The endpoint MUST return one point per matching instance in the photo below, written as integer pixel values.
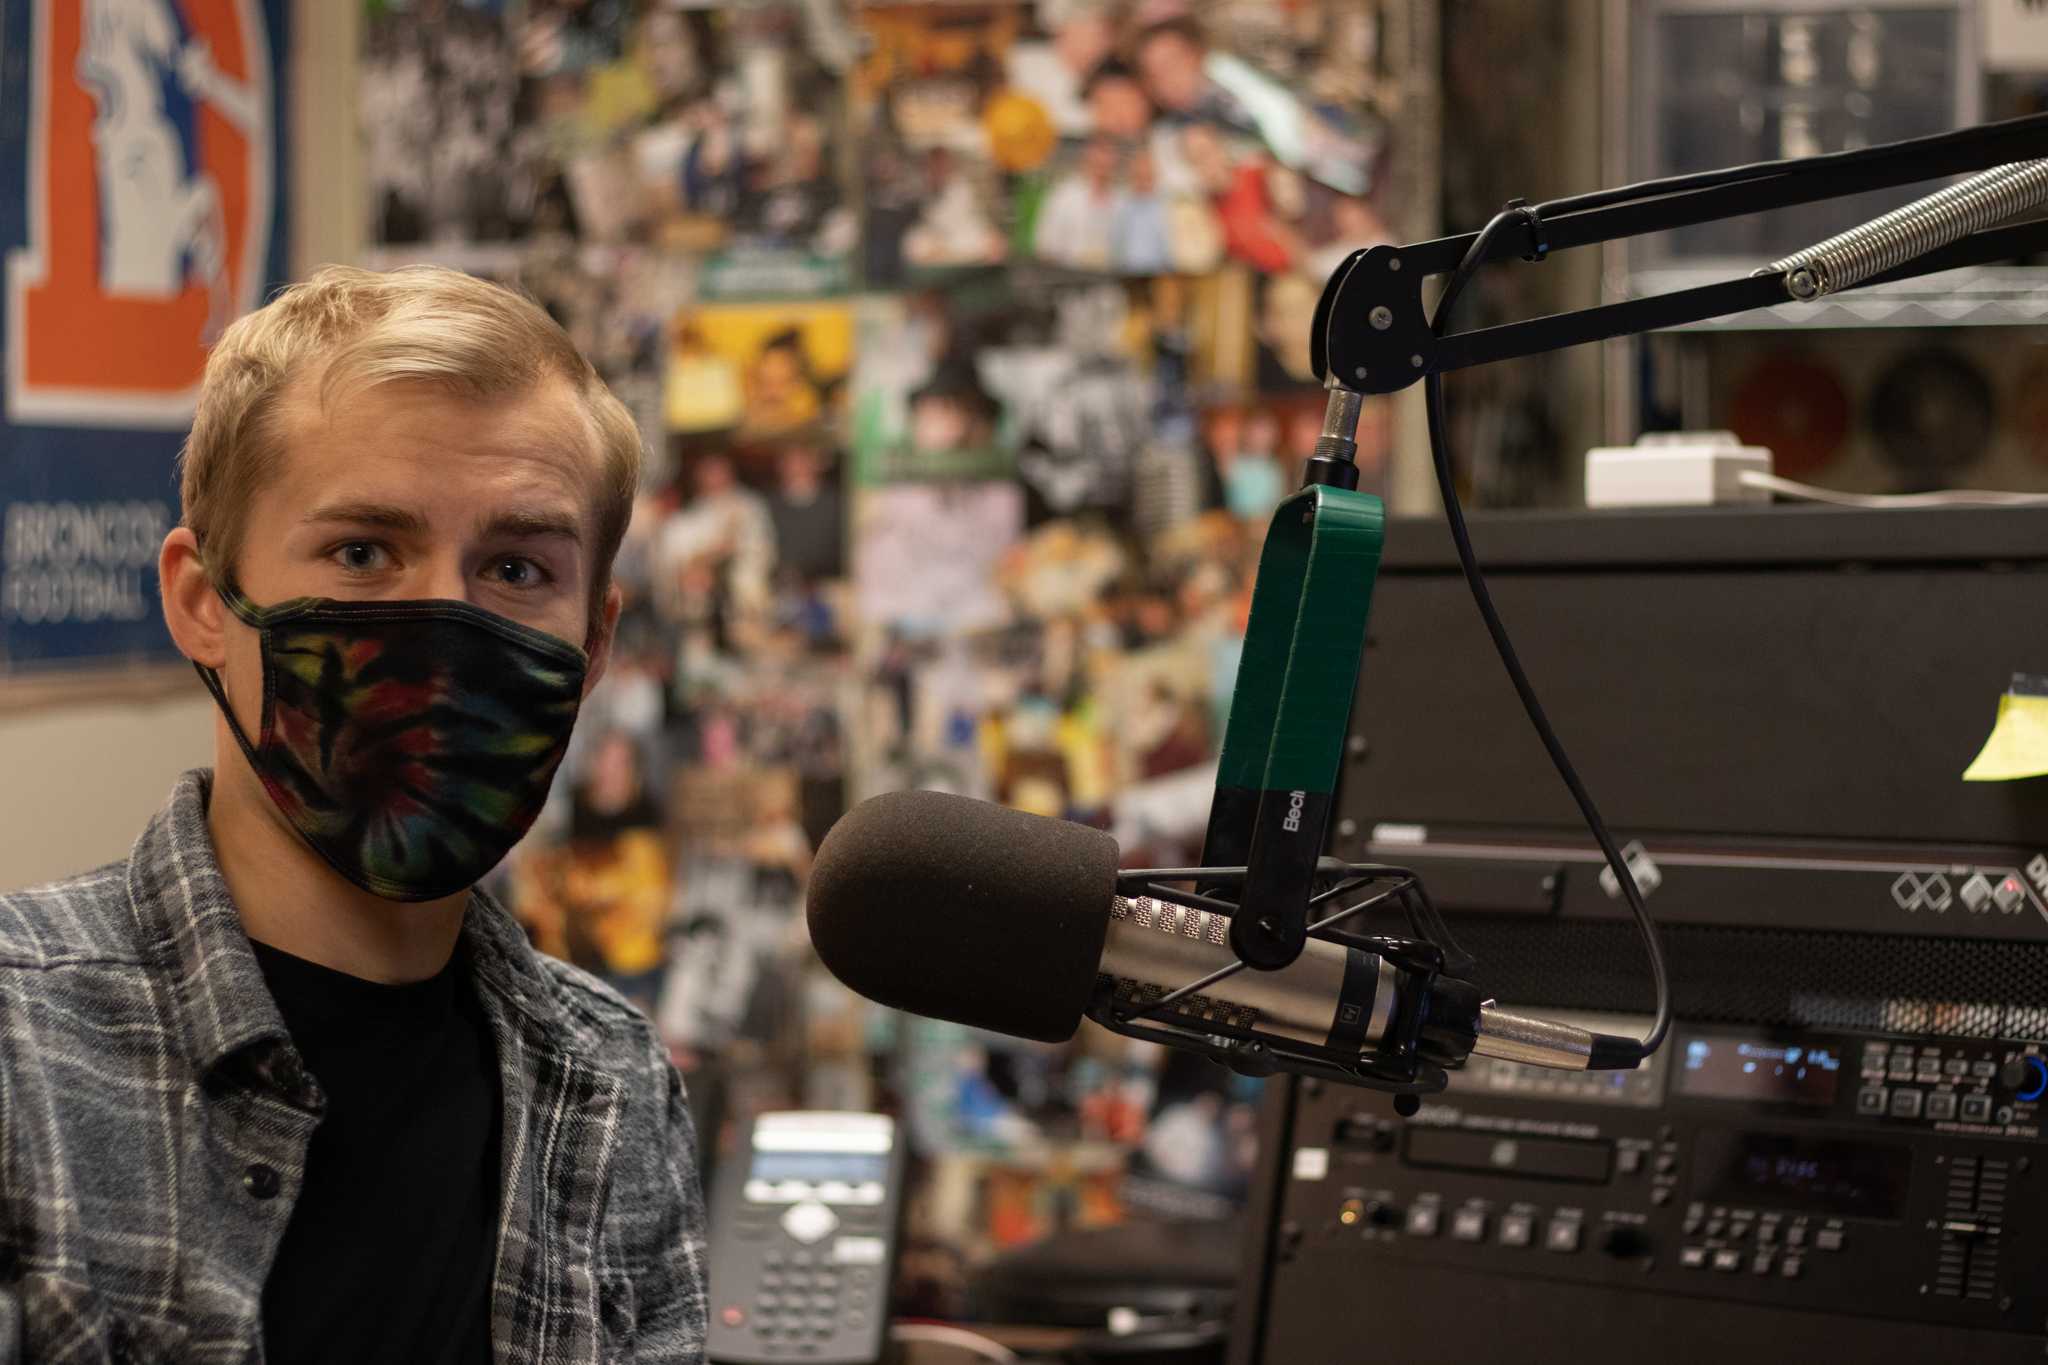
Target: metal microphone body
(1331, 996)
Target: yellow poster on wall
(758, 370)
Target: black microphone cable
(1433, 392)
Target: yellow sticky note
(2018, 746)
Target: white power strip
(1676, 469)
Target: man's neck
(290, 899)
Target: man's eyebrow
(387, 515)
(530, 523)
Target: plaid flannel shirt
(154, 1119)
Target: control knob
(2026, 1077)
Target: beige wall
(78, 780)
(81, 781)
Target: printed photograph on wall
(938, 139)
(452, 155)
(1128, 139)
(741, 156)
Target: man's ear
(605, 629)
(192, 609)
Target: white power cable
(1948, 497)
(939, 1334)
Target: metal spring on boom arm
(1947, 215)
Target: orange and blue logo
(150, 205)
(142, 209)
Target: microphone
(966, 911)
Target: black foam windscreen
(961, 910)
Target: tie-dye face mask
(410, 743)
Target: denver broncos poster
(142, 209)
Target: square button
(1517, 1230)
(1563, 1235)
(1693, 1258)
(1469, 1225)
(1976, 1108)
(1828, 1239)
(1941, 1105)
(1872, 1099)
(1791, 1266)
(1727, 1260)
(1422, 1220)
(1906, 1104)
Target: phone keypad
(818, 1278)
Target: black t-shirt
(389, 1252)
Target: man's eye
(361, 556)
(517, 571)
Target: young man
(1074, 225)
(282, 1085)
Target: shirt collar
(188, 920)
(506, 970)
(182, 906)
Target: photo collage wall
(970, 346)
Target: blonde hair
(356, 329)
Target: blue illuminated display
(1742, 1068)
